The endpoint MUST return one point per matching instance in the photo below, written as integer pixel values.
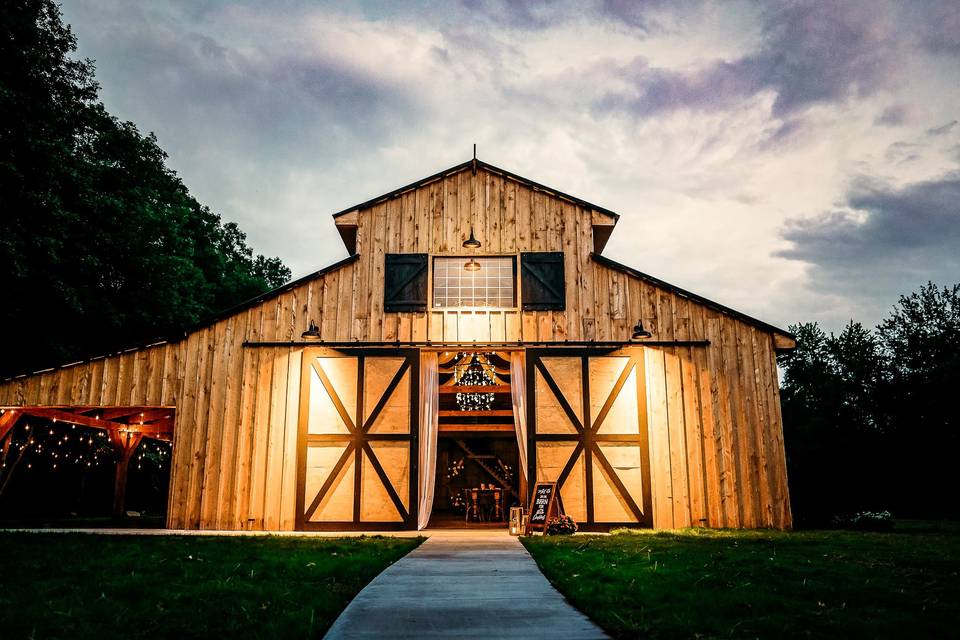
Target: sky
(798, 161)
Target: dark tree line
(871, 417)
(101, 244)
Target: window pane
(490, 286)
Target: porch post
(125, 443)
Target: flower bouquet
(562, 525)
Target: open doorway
(478, 470)
(85, 466)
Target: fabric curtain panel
(429, 424)
(518, 391)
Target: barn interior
(478, 475)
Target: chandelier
(476, 374)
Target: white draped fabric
(518, 391)
(429, 421)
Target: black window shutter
(542, 281)
(405, 282)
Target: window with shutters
(491, 285)
(542, 281)
(405, 282)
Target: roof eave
(787, 340)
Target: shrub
(561, 526)
(866, 521)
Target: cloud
(524, 14)
(939, 24)
(884, 242)
(895, 115)
(812, 52)
(706, 123)
(649, 16)
(942, 130)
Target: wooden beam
(493, 388)
(782, 342)
(348, 219)
(7, 419)
(87, 421)
(110, 413)
(491, 413)
(134, 415)
(482, 428)
(147, 416)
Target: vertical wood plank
(240, 494)
(212, 455)
(661, 475)
(678, 449)
(223, 516)
(288, 480)
(509, 232)
(693, 436)
(724, 433)
(183, 433)
(201, 416)
(744, 491)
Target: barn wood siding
(716, 439)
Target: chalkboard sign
(544, 504)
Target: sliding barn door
(358, 439)
(587, 431)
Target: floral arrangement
(866, 521)
(562, 525)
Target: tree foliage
(869, 416)
(101, 244)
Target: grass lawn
(90, 586)
(762, 584)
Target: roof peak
(474, 164)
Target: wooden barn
(475, 341)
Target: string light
(84, 451)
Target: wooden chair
(488, 504)
(472, 498)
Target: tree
(869, 418)
(101, 244)
(921, 338)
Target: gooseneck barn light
(640, 332)
(471, 242)
(312, 332)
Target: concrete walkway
(484, 586)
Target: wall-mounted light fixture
(312, 332)
(471, 242)
(640, 332)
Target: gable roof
(474, 165)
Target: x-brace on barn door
(587, 431)
(358, 439)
